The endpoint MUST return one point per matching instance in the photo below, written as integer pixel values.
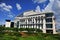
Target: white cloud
(38, 10)
(48, 7)
(54, 6)
(10, 15)
(9, 6)
(56, 9)
(38, 1)
(2, 4)
(18, 6)
(5, 7)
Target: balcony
(30, 22)
(22, 22)
(49, 14)
(49, 28)
(49, 22)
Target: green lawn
(37, 36)
(15, 35)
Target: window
(49, 14)
(41, 25)
(29, 19)
(48, 25)
(48, 19)
(12, 24)
(22, 20)
(36, 19)
(49, 31)
(17, 24)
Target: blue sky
(11, 8)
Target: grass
(36, 36)
(15, 35)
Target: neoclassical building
(30, 19)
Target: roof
(32, 13)
(8, 20)
(20, 15)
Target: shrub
(2, 29)
(21, 29)
(30, 29)
(39, 30)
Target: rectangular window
(22, 20)
(48, 19)
(49, 25)
(29, 19)
(49, 14)
(49, 31)
(17, 24)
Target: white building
(8, 23)
(31, 19)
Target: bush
(21, 29)
(15, 29)
(2, 29)
(30, 29)
(38, 30)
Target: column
(19, 24)
(36, 22)
(32, 26)
(23, 26)
(37, 26)
(40, 21)
(44, 25)
(32, 22)
(27, 23)
(15, 23)
(54, 28)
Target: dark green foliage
(21, 29)
(36, 36)
(1, 29)
(15, 29)
(15, 35)
(30, 29)
(38, 30)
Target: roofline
(34, 14)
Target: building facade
(9, 24)
(31, 19)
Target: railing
(31, 22)
(22, 22)
(49, 28)
(49, 22)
